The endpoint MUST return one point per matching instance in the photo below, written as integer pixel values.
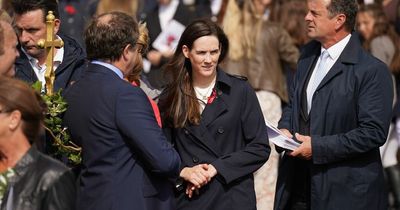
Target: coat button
(186, 132)
(220, 130)
(195, 159)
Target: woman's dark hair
(181, 105)
(382, 27)
(17, 95)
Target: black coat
(40, 183)
(67, 72)
(349, 121)
(232, 137)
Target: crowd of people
(170, 101)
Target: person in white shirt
(30, 23)
(340, 110)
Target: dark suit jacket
(232, 137)
(349, 121)
(67, 72)
(127, 160)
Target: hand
(197, 175)
(211, 171)
(190, 188)
(305, 149)
(286, 132)
(154, 57)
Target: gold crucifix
(49, 44)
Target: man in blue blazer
(340, 110)
(127, 161)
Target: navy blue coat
(232, 137)
(127, 160)
(349, 121)
(67, 72)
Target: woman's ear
(185, 51)
(15, 120)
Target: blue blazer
(349, 121)
(127, 161)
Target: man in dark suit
(127, 161)
(340, 110)
(30, 24)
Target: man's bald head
(108, 35)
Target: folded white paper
(169, 37)
(279, 139)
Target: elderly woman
(29, 179)
(215, 122)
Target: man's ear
(57, 23)
(340, 21)
(185, 51)
(127, 51)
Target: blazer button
(220, 130)
(195, 159)
(186, 132)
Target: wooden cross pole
(49, 44)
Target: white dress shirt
(334, 52)
(40, 70)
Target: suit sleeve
(256, 152)
(136, 121)
(374, 110)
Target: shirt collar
(335, 50)
(58, 57)
(111, 67)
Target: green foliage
(56, 107)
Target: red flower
(212, 97)
(70, 9)
(170, 39)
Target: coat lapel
(214, 110)
(211, 113)
(348, 56)
(24, 67)
(307, 64)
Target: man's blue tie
(319, 74)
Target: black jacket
(40, 183)
(69, 70)
(232, 136)
(348, 122)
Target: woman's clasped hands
(197, 176)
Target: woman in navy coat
(215, 122)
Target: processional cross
(49, 44)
